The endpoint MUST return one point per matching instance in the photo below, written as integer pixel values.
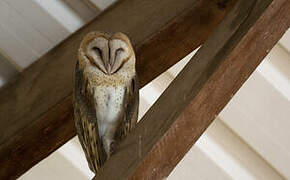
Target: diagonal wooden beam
(193, 100)
(36, 109)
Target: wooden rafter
(36, 109)
(193, 100)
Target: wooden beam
(36, 108)
(193, 100)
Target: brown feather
(86, 122)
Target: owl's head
(108, 53)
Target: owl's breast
(109, 106)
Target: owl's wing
(131, 105)
(86, 121)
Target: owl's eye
(118, 51)
(98, 51)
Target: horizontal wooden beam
(36, 108)
(193, 100)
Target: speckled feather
(101, 97)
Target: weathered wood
(35, 109)
(193, 100)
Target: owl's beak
(109, 69)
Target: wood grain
(35, 109)
(193, 100)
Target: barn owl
(106, 94)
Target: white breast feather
(109, 107)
